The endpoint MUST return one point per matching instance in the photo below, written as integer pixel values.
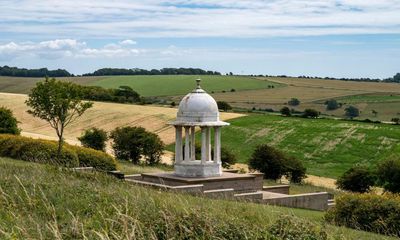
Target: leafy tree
(295, 170)
(357, 179)
(132, 142)
(388, 173)
(42, 72)
(8, 123)
(94, 138)
(222, 105)
(374, 112)
(332, 104)
(269, 161)
(352, 112)
(310, 113)
(294, 102)
(59, 103)
(285, 111)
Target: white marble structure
(198, 109)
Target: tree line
(44, 72)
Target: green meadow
(328, 147)
(166, 85)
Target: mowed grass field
(314, 92)
(103, 115)
(167, 85)
(328, 147)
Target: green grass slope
(165, 85)
(328, 147)
(43, 202)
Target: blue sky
(339, 38)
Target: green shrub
(224, 106)
(94, 138)
(289, 227)
(275, 164)
(130, 143)
(8, 123)
(368, 212)
(388, 174)
(227, 157)
(45, 151)
(357, 179)
(295, 170)
(93, 158)
(34, 150)
(310, 113)
(294, 102)
(285, 111)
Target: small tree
(227, 157)
(285, 111)
(388, 173)
(295, 170)
(224, 106)
(352, 112)
(269, 161)
(310, 113)
(129, 143)
(8, 123)
(332, 104)
(59, 103)
(357, 179)
(94, 138)
(294, 102)
(374, 112)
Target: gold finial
(198, 83)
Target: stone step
(249, 195)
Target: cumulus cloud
(127, 42)
(60, 48)
(198, 18)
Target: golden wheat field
(103, 115)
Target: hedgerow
(368, 212)
(45, 151)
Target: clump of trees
(95, 138)
(388, 173)
(275, 164)
(285, 111)
(59, 103)
(8, 123)
(130, 143)
(163, 71)
(42, 72)
(294, 102)
(357, 179)
(352, 112)
(332, 104)
(310, 113)
(224, 106)
(123, 94)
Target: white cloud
(197, 18)
(60, 48)
(127, 42)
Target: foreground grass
(43, 202)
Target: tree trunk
(60, 143)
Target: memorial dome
(198, 108)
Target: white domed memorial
(198, 109)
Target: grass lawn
(165, 85)
(44, 202)
(367, 98)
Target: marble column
(193, 143)
(204, 144)
(217, 144)
(178, 144)
(187, 144)
(208, 143)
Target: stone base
(197, 169)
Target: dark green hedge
(45, 151)
(368, 212)
(93, 158)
